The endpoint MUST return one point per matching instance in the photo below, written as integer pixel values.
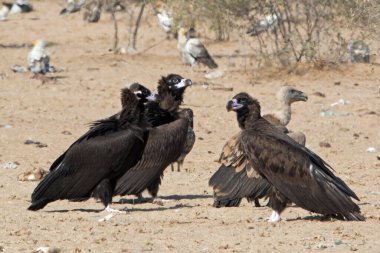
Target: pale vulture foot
(275, 217)
(111, 210)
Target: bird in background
(268, 23)
(4, 11)
(72, 6)
(38, 60)
(165, 18)
(20, 6)
(192, 50)
(295, 173)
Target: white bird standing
(38, 60)
(268, 23)
(192, 50)
(4, 13)
(165, 19)
(72, 6)
(19, 6)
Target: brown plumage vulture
(165, 142)
(190, 137)
(97, 159)
(294, 172)
(230, 183)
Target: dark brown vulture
(97, 159)
(295, 173)
(165, 142)
(186, 113)
(230, 182)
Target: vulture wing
(86, 163)
(164, 145)
(297, 172)
(98, 128)
(236, 178)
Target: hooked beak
(183, 83)
(302, 97)
(153, 97)
(233, 105)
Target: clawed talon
(111, 210)
(275, 217)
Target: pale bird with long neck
(38, 60)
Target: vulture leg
(179, 164)
(278, 202)
(172, 166)
(104, 193)
(257, 203)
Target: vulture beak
(302, 96)
(233, 105)
(183, 83)
(153, 97)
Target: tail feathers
(354, 216)
(226, 202)
(39, 204)
(209, 62)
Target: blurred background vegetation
(311, 31)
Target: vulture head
(289, 95)
(142, 93)
(173, 85)
(245, 106)
(130, 105)
(182, 35)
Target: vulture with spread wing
(94, 162)
(294, 172)
(165, 142)
(230, 182)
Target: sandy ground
(87, 88)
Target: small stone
(324, 144)
(47, 250)
(33, 175)
(371, 150)
(319, 94)
(337, 83)
(10, 165)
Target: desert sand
(87, 87)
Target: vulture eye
(145, 92)
(243, 100)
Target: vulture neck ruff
(248, 115)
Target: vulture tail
(39, 204)
(354, 216)
(209, 62)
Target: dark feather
(95, 160)
(164, 145)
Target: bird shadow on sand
(127, 209)
(169, 197)
(322, 218)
